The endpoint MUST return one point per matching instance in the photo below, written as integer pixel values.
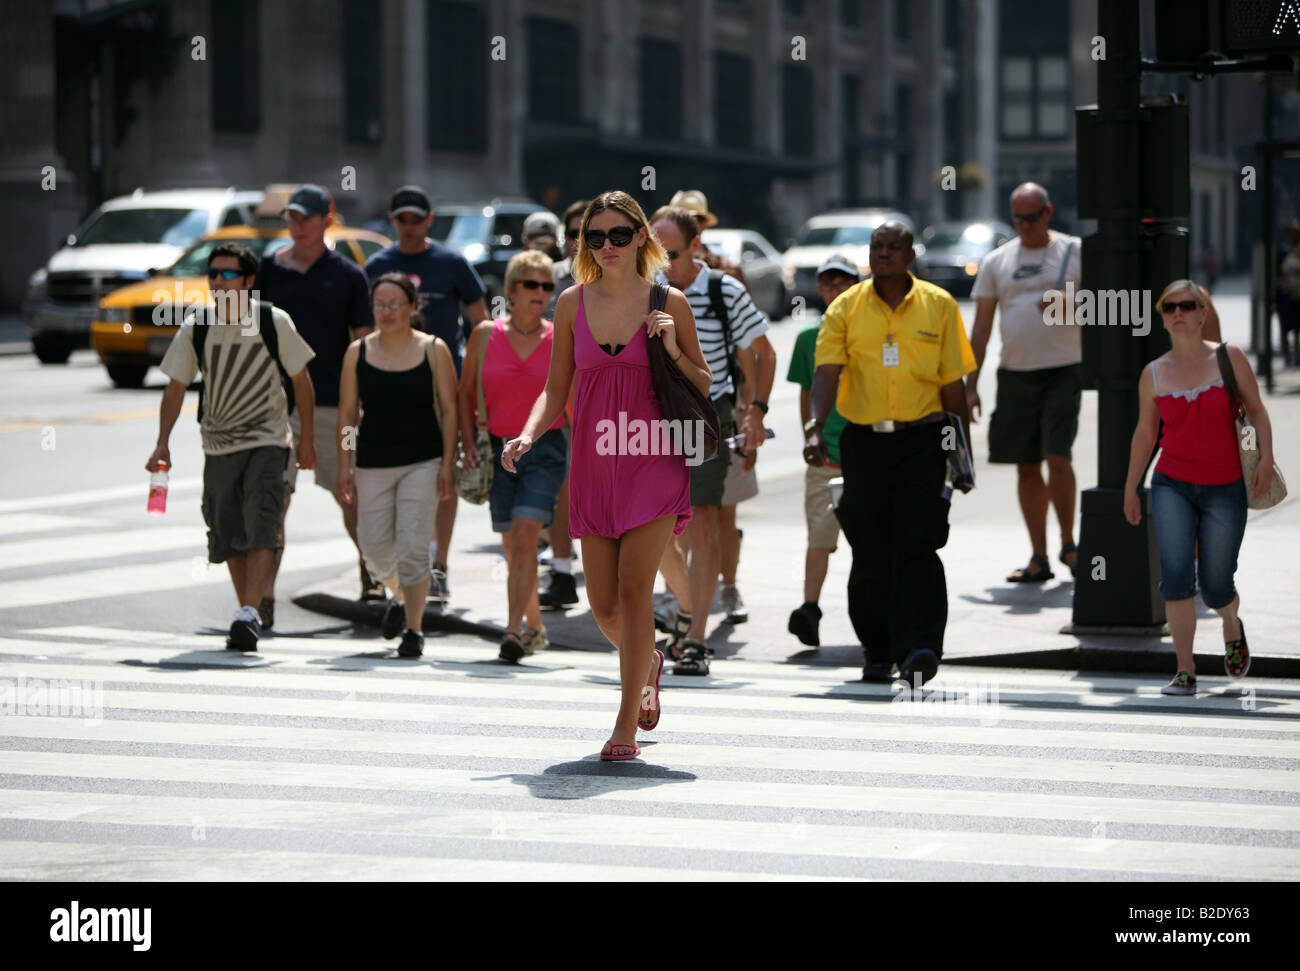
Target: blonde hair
(1178, 286)
(650, 258)
(522, 262)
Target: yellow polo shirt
(932, 351)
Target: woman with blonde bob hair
(623, 503)
(1198, 497)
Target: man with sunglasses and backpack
(445, 282)
(246, 351)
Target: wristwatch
(760, 405)
(810, 424)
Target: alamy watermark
(1098, 308)
(655, 436)
(175, 306)
(58, 698)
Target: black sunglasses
(534, 284)
(224, 274)
(674, 253)
(1032, 218)
(620, 236)
(1187, 306)
(573, 233)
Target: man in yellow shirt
(891, 355)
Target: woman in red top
(1198, 498)
(522, 500)
(623, 502)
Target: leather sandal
(1026, 575)
(694, 660)
(1066, 551)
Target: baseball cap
(840, 262)
(541, 224)
(695, 201)
(310, 200)
(410, 198)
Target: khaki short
(325, 426)
(823, 526)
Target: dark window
(1034, 70)
(236, 88)
(850, 126)
(850, 13)
(552, 70)
(902, 25)
(233, 218)
(458, 51)
(661, 89)
(362, 73)
(952, 25)
(733, 101)
(797, 109)
(794, 9)
(903, 157)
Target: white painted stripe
(486, 749)
(15, 523)
(559, 685)
(103, 545)
(21, 860)
(159, 577)
(99, 496)
(836, 841)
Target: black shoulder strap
(718, 305)
(271, 338)
(199, 338)
(1229, 380)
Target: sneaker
(804, 623)
(438, 589)
(266, 612)
(512, 648)
(371, 589)
(1182, 684)
(665, 611)
(878, 673)
(412, 644)
(560, 592)
(919, 666)
(1236, 655)
(535, 639)
(394, 620)
(733, 606)
(243, 634)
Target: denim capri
(529, 492)
(1199, 528)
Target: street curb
(1109, 660)
(1120, 661)
(15, 348)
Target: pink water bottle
(158, 490)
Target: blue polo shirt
(331, 298)
(443, 278)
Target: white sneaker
(733, 606)
(535, 640)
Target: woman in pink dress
(624, 504)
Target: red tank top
(511, 385)
(1199, 442)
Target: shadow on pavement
(592, 777)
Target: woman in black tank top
(405, 390)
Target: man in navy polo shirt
(328, 298)
(445, 281)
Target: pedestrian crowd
(368, 378)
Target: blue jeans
(530, 491)
(1185, 515)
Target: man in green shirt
(834, 276)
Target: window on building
(234, 55)
(553, 70)
(733, 113)
(661, 89)
(903, 156)
(952, 25)
(1034, 76)
(457, 49)
(362, 71)
(902, 23)
(797, 110)
(795, 9)
(851, 132)
(850, 13)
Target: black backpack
(199, 335)
(718, 308)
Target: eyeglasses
(1187, 306)
(620, 236)
(674, 253)
(224, 274)
(396, 305)
(573, 233)
(1031, 218)
(534, 284)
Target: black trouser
(894, 517)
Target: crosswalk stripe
(41, 552)
(87, 497)
(596, 832)
(12, 524)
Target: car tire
(127, 375)
(51, 348)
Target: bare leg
(413, 597)
(703, 569)
(1231, 625)
(1033, 505)
(1182, 626)
(673, 567)
(445, 519)
(728, 544)
(257, 567)
(1061, 487)
(816, 563)
(561, 544)
(521, 563)
(237, 565)
(600, 556)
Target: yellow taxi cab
(134, 326)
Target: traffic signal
(1189, 30)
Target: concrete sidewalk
(14, 338)
(990, 621)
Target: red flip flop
(649, 721)
(610, 752)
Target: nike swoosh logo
(1025, 271)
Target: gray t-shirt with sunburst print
(244, 404)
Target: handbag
(678, 396)
(475, 485)
(1246, 432)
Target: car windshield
(976, 234)
(857, 235)
(173, 227)
(459, 229)
(726, 244)
(195, 262)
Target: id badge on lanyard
(889, 353)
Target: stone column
(180, 151)
(985, 93)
